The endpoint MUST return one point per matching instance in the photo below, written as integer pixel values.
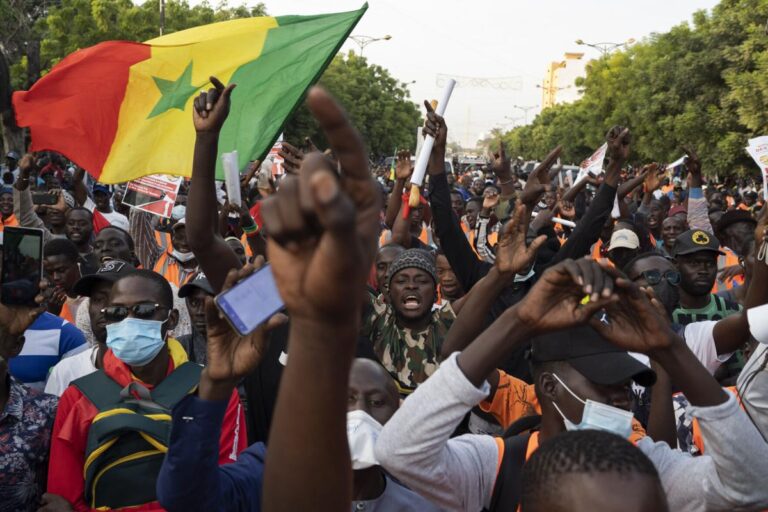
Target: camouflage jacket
(410, 357)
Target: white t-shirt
(70, 369)
(115, 218)
(700, 338)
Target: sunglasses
(654, 277)
(120, 313)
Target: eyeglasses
(653, 277)
(119, 313)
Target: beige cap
(625, 238)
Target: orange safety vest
(728, 259)
(67, 314)
(169, 268)
(163, 239)
(698, 440)
(11, 221)
(246, 245)
(386, 237)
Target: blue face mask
(598, 416)
(134, 341)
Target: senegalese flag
(122, 110)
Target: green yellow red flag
(122, 110)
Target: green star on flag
(174, 93)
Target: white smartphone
(251, 302)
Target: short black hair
(166, 292)
(642, 256)
(128, 237)
(577, 452)
(61, 247)
(80, 209)
(478, 200)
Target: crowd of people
(513, 342)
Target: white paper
(417, 178)
(677, 163)
(232, 177)
(594, 164)
(758, 150)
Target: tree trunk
(13, 136)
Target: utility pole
(162, 16)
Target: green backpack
(129, 436)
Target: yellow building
(559, 85)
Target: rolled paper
(426, 150)
(565, 222)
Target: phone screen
(251, 302)
(22, 266)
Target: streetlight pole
(605, 48)
(525, 110)
(363, 41)
(162, 16)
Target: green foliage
(65, 26)
(378, 104)
(703, 85)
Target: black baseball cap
(110, 272)
(592, 356)
(198, 281)
(732, 217)
(695, 240)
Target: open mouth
(106, 258)
(411, 303)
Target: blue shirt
(46, 342)
(25, 438)
(191, 478)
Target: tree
(36, 34)
(19, 46)
(701, 84)
(378, 104)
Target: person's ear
(173, 319)
(14, 345)
(547, 385)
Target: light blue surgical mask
(598, 416)
(135, 341)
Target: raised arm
(79, 190)
(731, 333)
(23, 208)
(587, 230)
(698, 214)
(323, 229)
(403, 171)
(512, 258)
(213, 254)
(728, 476)
(465, 264)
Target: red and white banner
(155, 194)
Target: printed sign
(155, 194)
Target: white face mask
(183, 256)
(362, 433)
(597, 416)
(758, 323)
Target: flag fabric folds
(122, 110)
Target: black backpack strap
(508, 487)
(97, 387)
(182, 381)
(524, 424)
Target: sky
(488, 39)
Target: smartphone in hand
(22, 266)
(251, 302)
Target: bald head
(372, 389)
